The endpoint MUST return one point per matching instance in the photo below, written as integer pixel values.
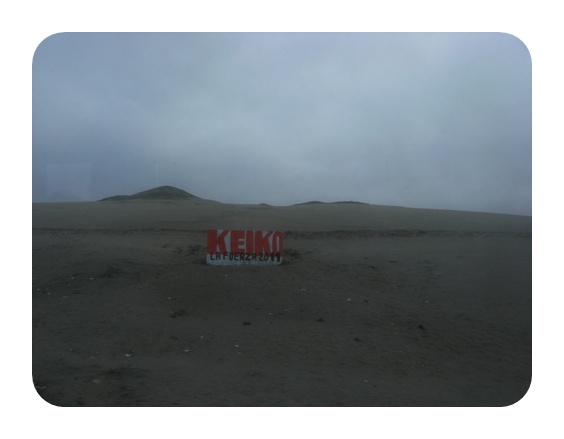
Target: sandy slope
(373, 306)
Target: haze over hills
(174, 193)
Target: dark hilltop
(158, 193)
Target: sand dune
(373, 306)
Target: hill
(158, 193)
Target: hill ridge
(157, 193)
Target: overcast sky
(415, 120)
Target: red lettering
(237, 241)
(277, 242)
(216, 243)
(262, 243)
(249, 241)
(244, 245)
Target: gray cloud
(420, 120)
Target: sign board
(244, 247)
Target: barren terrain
(372, 306)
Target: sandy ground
(373, 306)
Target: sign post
(244, 247)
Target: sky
(425, 120)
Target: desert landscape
(371, 306)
